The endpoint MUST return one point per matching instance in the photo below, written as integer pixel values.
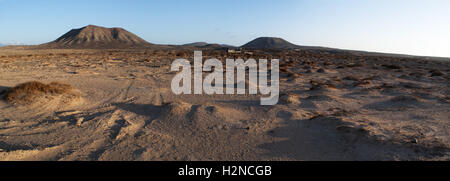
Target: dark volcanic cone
(269, 43)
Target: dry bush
(352, 78)
(406, 98)
(290, 98)
(284, 70)
(327, 63)
(373, 77)
(181, 54)
(27, 92)
(321, 70)
(417, 74)
(288, 73)
(435, 73)
(361, 83)
(395, 67)
(351, 65)
(320, 85)
(336, 80)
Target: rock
(290, 99)
(80, 121)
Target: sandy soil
(333, 107)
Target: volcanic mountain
(269, 43)
(97, 37)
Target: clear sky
(417, 27)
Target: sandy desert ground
(333, 106)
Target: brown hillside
(97, 37)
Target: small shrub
(395, 67)
(350, 77)
(27, 92)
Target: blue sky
(417, 27)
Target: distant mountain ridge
(97, 37)
(207, 45)
(196, 44)
(11, 44)
(92, 36)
